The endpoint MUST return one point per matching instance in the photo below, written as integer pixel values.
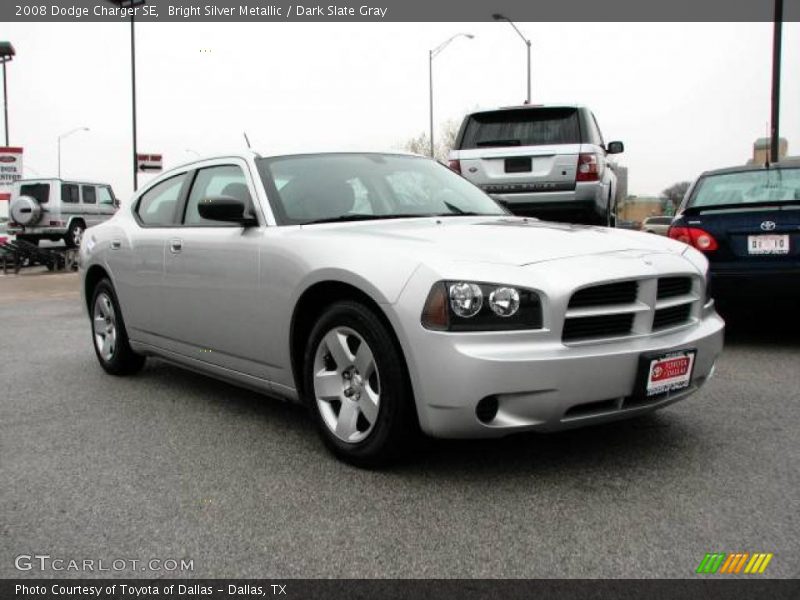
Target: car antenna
(247, 140)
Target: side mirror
(224, 208)
(615, 148)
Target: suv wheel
(74, 234)
(109, 334)
(358, 387)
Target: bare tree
(675, 193)
(446, 139)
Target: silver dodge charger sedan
(394, 298)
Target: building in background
(635, 209)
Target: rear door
(522, 149)
(89, 205)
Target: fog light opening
(486, 410)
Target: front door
(211, 278)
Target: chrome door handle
(175, 246)
(116, 244)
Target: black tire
(71, 238)
(395, 431)
(123, 360)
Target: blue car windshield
(765, 186)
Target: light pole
(431, 55)
(132, 4)
(775, 112)
(499, 17)
(6, 55)
(61, 137)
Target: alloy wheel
(104, 321)
(347, 384)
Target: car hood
(501, 240)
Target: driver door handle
(175, 246)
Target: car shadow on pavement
(771, 321)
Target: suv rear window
(39, 191)
(522, 127)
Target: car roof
(56, 179)
(748, 168)
(529, 107)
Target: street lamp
(6, 55)
(499, 17)
(61, 137)
(132, 4)
(431, 55)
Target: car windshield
(765, 186)
(522, 127)
(318, 188)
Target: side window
(69, 193)
(227, 180)
(157, 205)
(89, 194)
(106, 197)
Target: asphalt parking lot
(169, 464)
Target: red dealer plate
(669, 372)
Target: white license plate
(670, 373)
(768, 244)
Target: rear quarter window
(522, 127)
(69, 193)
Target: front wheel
(109, 334)
(356, 382)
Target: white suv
(53, 209)
(543, 161)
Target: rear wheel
(74, 234)
(109, 334)
(357, 386)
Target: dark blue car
(747, 222)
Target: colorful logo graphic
(734, 563)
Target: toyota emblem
(768, 225)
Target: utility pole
(774, 135)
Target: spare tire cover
(25, 210)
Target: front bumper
(540, 382)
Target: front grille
(597, 327)
(669, 287)
(672, 316)
(623, 292)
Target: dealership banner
(395, 10)
(405, 589)
(10, 171)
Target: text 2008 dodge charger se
(393, 296)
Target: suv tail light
(455, 165)
(588, 168)
(695, 237)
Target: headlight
(466, 299)
(463, 306)
(504, 301)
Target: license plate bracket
(662, 373)
(518, 164)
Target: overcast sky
(683, 97)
